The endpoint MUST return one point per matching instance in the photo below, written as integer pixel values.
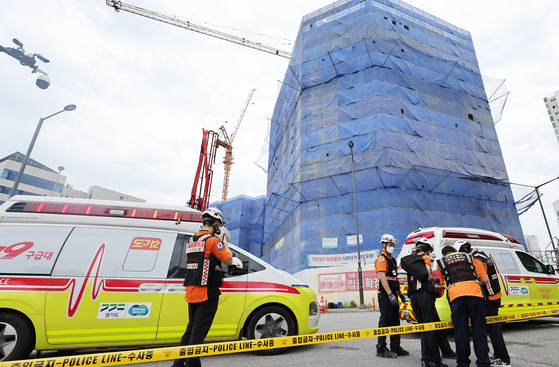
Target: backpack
(414, 265)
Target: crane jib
(118, 5)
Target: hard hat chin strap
(216, 227)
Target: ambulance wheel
(270, 322)
(16, 337)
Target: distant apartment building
(532, 244)
(553, 111)
(37, 178)
(556, 210)
(41, 180)
(100, 193)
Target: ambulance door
(542, 286)
(516, 297)
(174, 310)
(232, 300)
(107, 286)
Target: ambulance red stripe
(133, 285)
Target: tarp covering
(406, 89)
(241, 215)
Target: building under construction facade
(403, 86)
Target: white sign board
(341, 259)
(330, 242)
(352, 240)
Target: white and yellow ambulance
(527, 284)
(78, 273)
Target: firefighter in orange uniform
(492, 292)
(388, 292)
(204, 255)
(464, 276)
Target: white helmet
(423, 244)
(463, 246)
(214, 213)
(388, 238)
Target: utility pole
(543, 211)
(359, 270)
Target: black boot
(385, 353)
(450, 355)
(400, 352)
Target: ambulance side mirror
(550, 269)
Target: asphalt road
(531, 343)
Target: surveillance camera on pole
(43, 81)
(24, 59)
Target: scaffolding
(406, 88)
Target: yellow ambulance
(527, 284)
(78, 273)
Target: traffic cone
(321, 304)
(325, 306)
(374, 306)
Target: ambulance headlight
(313, 309)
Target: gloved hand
(393, 299)
(237, 262)
(402, 297)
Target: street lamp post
(60, 169)
(359, 270)
(69, 107)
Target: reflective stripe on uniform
(205, 271)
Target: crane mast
(227, 143)
(119, 5)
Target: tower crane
(200, 194)
(119, 5)
(202, 182)
(227, 143)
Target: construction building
(405, 87)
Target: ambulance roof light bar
(104, 211)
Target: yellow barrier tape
(168, 353)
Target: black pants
(463, 309)
(423, 305)
(389, 316)
(200, 318)
(495, 334)
(442, 340)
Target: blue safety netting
(406, 89)
(241, 214)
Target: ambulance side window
(30, 249)
(253, 266)
(177, 267)
(531, 264)
(115, 253)
(508, 266)
(232, 271)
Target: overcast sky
(145, 89)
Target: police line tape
(239, 346)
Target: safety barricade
(201, 350)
